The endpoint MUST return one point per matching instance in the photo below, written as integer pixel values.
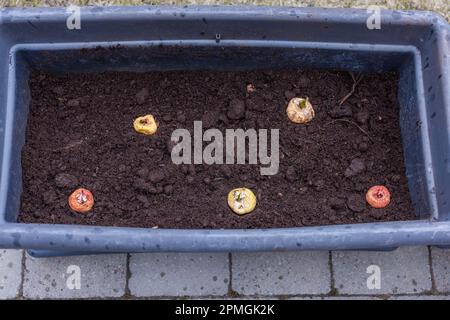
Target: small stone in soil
(291, 174)
(236, 109)
(341, 111)
(64, 180)
(49, 197)
(80, 118)
(58, 90)
(73, 103)
(168, 189)
(207, 180)
(250, 88)
(356, 203)
(156, 175)
(302, 190)
(336, 203)
(226, 171)
(142, 199)
(142, 95)
(319, 184)
(141, 185)
(356, 167)
(142, 172)
(362, 116)
(363, 146)
(190, 179)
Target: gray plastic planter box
(416, 44)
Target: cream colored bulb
(241, 201)
(300, 110)
(146, 125)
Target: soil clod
(341, 112)
(209, 119)
(49, 196)
(356, 203)
(362, 116)
(73, 103)
(356, 167)
(67, 181)
(336, 203)
(291, 174)
(156, 175)
(142, 96)
(236, 109)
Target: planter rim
(72, 238)
(226, 11)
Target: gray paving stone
(420, 297)
(336, 298)
(100, 276)
(243, 298)
(179, 274)
(405, 270)
(10, 273)
(281, 273)
(352, 298)
(441, 268)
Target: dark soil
(80, 134)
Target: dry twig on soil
(348, 121)
(356, 81)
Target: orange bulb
(81, 200)
(378, 197)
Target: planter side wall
(435, 61)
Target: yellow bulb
(300, 110)
(146, 125)
(241, 200)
